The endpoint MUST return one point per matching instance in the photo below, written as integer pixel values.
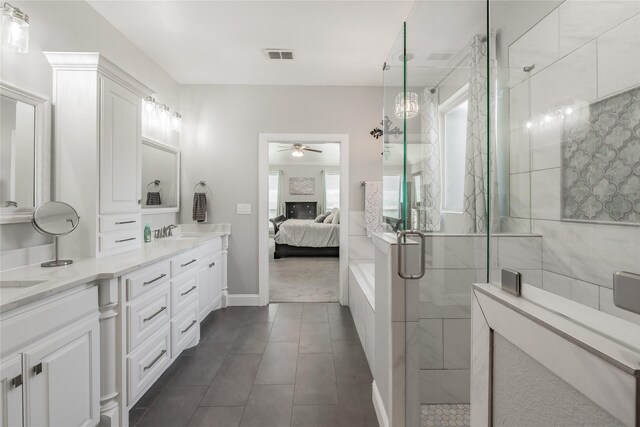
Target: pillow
(336, 216)
(329, 218)
(321, 217)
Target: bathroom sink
(19, 283)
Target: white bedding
(308, 233)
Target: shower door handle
(402, 235)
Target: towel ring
(202, 184)
(156, 182)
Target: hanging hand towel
(373, 207)
(199, 212)
(153, 198)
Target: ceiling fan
(297, 150)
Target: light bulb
(176, 122)
(15, 28)
(529, 124)
(297, 153)
(568, 111)
(149, 104)
(547, 118)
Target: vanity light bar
(154, 107)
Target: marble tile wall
(583, 51)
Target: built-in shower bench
(362, 303)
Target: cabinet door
(11, 383)
(204, 293)
(64, 376)
(120, 144)
(216, 280)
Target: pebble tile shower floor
(288, 364)
(445, 415)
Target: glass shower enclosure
(511, 140)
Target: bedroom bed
(305, 237)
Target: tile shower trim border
(527, 325)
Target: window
(453, 114)
(417, 189)
(274, 183)
(332, 190)
(391, 196)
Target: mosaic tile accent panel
(601, 161)
(445, 415)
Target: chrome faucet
(168, 230)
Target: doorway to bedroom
(302, 225)
(304, 222)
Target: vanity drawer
(184, 262)
(120, 240)
(120, 222)
(148, 314)
(184, 291)
(146, 364)
(147, 279)
(184, 329)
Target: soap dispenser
(147, 233)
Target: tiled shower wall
(454, 263)
(583, 51)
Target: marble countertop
(59, 279)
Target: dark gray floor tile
(201, 367)
(278, 364)
(289, 309)
(342, 328)
(252, 338)
(335, 309)
(220, 416)
(285, 328)
(232, 385)
(161, 383)
(268, 406)
(351, 363)
(174, 407)
(135, 414)
(356, 406)
(315, 416)
(265, 314)
(314, 312)
(315, 380)
(223, 330)
(315, 338)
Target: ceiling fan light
(297, 153)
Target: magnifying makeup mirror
(55, 219)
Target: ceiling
(330, 155)
(343, 43)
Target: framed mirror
(160, 177)
(25, 153)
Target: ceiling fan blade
(285, 149)
(282, 146)
(311, 149)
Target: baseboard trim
(243, 300)
(383, 420)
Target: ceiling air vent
(277, 54)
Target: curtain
(280, 192)
(430, 192)
(480, 184)
(323, 193)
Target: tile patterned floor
(445, 415)
(283, 365)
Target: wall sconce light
(409, 105)
(150, 104)
(15, 28)
(176, 122)
(164, 112)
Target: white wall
(220, 145)
(76, 27)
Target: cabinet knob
(37, 369)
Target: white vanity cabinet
(210, 277)
(51, 361)
(120, 145)
(98, 134)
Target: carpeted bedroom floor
(302, 279)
